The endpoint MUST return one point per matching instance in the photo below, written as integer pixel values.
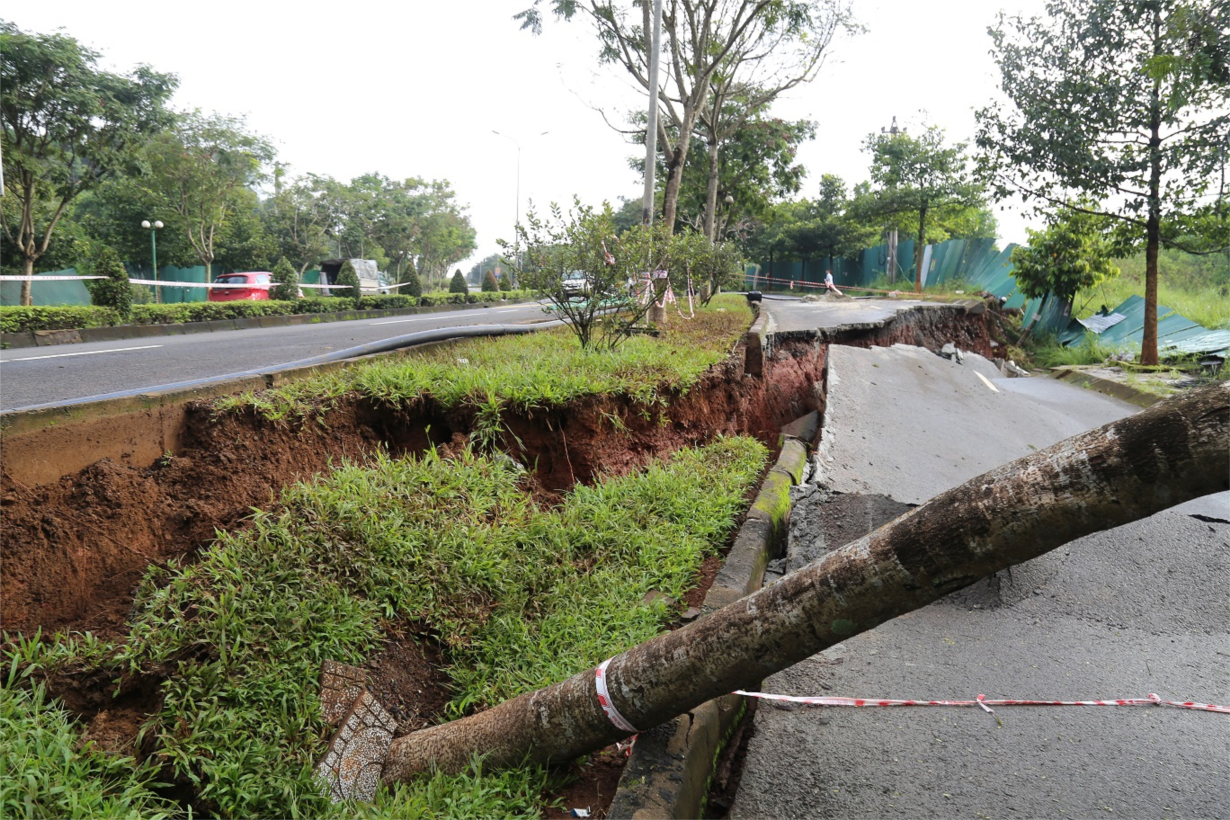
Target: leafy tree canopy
(66, 126)
(1126, 102)
(920, 178)
(1069, 255)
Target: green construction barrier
(48, 293)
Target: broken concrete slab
(340, 686)
(351, 768)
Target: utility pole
(651, 132)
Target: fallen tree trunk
(1125, 471)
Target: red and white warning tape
(20, 278)
(604, 699)
(985, 703)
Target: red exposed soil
(407, 678)
(75, 550)
(594, 785)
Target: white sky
(415, 87)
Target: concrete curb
(1074, 375)
(668, 772)
(758, 344)
(134, 430)
(43, 338)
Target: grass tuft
(521, 597)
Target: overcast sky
(416, 87)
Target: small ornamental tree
(711, 266)
(286, 281)
(410, 283)
(616, 269)
(114, 291)
(1070, 254)
(347, 276)
(458, 283)
(489, 283)
(505, 282)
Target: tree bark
(919, 247)
(27, 286)
(1148, 342)
(711, 192)
(1125, 471)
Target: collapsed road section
(1121, 614)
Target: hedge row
(211, 311)
(27, 319)
(17, 319)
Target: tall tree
(66, 126)
(825, 227)
(1124, 101)
(921, 177)
(701, 38)
(756, 165)
(199, 170)
(299, 218)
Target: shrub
(114, 291)
(505, 282)
(458, 283)
(489, 284)
(286, 282)
(410, 283)
(387, 302)
(347, 276)
(323, 304)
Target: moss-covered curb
(669, 770)
(1074, 375)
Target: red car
(250, 293)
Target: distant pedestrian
(828, 282)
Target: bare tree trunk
(27, 286)
(1125, 471)
(1148, 342)
(919, 247)
(711, 193)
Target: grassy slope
(521, 597)
(535, 370)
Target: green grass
(1207, 306)
(521, 597)
(1046, 352)
(535, 370)
(46, 775)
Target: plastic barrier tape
(982, 701)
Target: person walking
(828, 282)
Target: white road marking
(402, 321)
(986, 381)
(84, 353)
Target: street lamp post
(153, 249)
(514, 142)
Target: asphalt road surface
(44, 375)
(1140, 609)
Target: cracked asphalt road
(1138, 609)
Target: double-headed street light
(153, 249)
